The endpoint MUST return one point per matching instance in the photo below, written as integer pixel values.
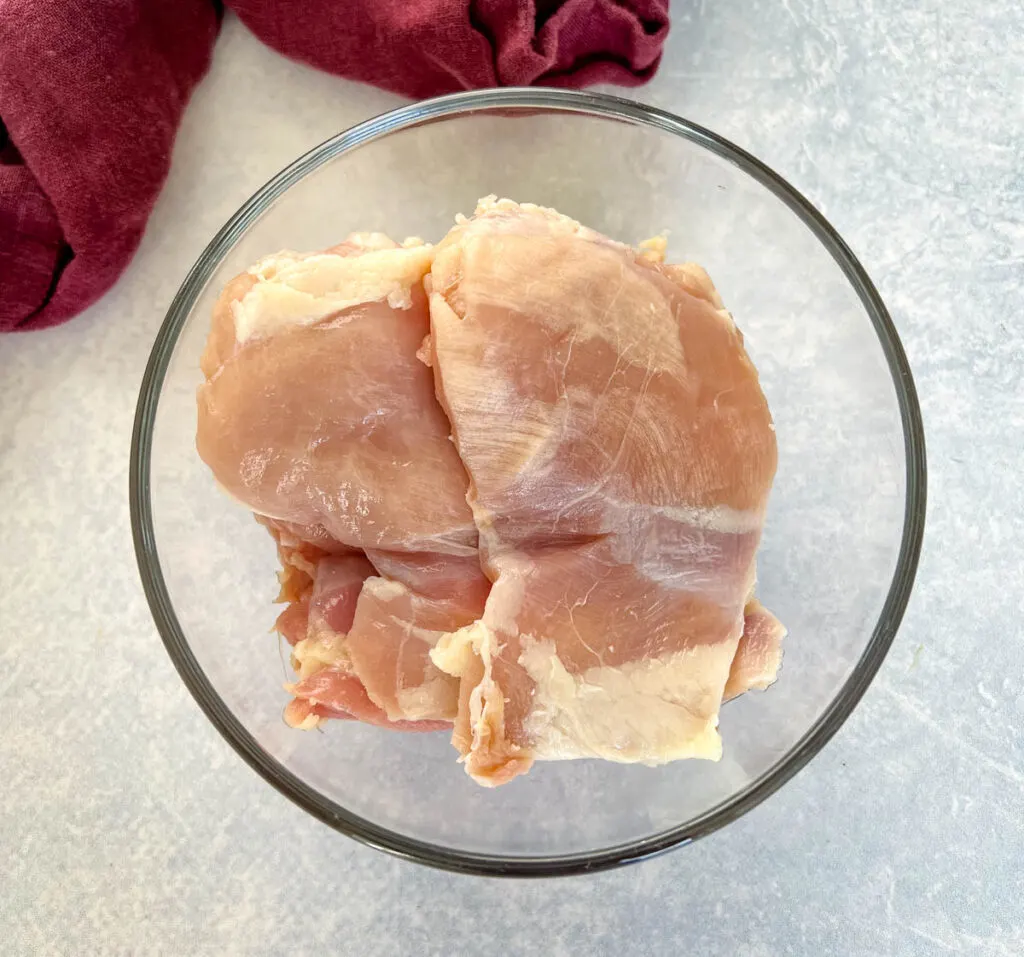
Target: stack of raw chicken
(517, 481)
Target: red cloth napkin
(92, 91)
(422, 48)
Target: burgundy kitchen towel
(422, 48)
(92, 91)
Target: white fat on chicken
(650, 711)
(293, 289)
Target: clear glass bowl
(845, 520)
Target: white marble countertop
(127, 825)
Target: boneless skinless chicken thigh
(517, 484)
(318, 415)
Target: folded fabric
(92, 92)
(425, 47)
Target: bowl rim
(557, 101)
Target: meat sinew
(517, 482)
(620, 454)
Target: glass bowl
(845, 520)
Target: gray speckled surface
(128, 826)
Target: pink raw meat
(620, 455)
(317, 414)
(517, 484)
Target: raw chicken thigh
(318, 416)
(620, 455)
(517, 484)
(319, 412)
